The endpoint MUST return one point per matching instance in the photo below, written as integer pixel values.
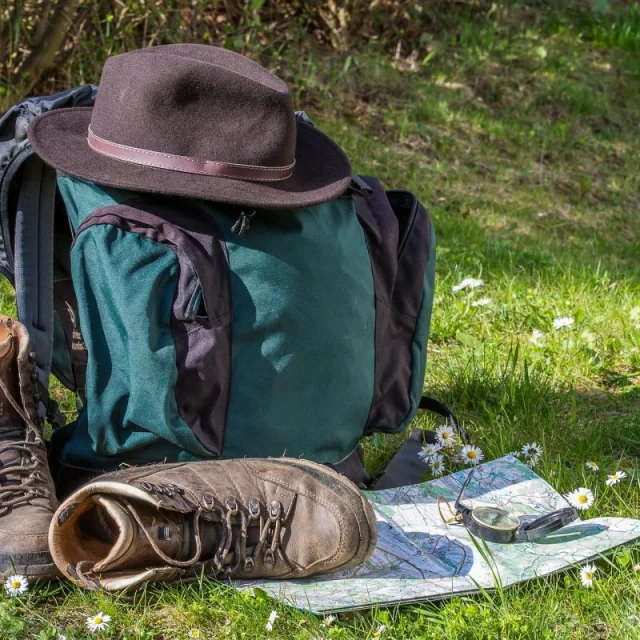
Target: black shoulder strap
(27, 200)
(405, 467)
(33, 264)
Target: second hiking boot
(248, 518)
(27, 494)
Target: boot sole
(31, 565)
(372, 527)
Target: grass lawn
(521, 133)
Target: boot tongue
(11, 424)
(132, 539)
(12, 427)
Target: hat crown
(196, 101)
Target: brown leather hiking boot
(246, 518)
(27, 494)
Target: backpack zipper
(410, 224)
(243, 223)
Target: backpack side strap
(33, 265)
(405, 467)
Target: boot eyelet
(208, 502)
(148, 487)
(32, 356)
(248, 564)
(231, 504)
(269, 558)
(254, 507)
(34, 376)
(275, 508)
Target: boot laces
(234, 524)
(32, 459)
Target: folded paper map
(419, 557)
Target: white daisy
(194, 633)
(61, 636)
(560, 323)
(273, 616)
(587, 574)
(483, 302)
(380, 631)
(428, 451)
(636, 568)
(594, 466)
(615, 478)
(16, 585)
(445, 435)
(99, 622)
(471, 454)
(468, 283)
(581, 498)
(537, 338)
(532, 450)
(328, 621)
(436, 465)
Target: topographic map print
(419, 557)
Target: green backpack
(201, 330)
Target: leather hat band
(252, 173)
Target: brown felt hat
(195, 121)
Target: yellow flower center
(588, 575)
(472, 455)
(582, 498)
(16, 584)
(97, 620)
(445, 436)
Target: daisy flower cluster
(614, 478)
(468, 283)
(532, 453)
(537, 337)
(582, 499)
(446, 449)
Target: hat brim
(321, 173)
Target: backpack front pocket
(153, 291)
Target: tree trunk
(45, 48)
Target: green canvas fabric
(300, 384)
(303, 333)
(81, 198)
(131, 407)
